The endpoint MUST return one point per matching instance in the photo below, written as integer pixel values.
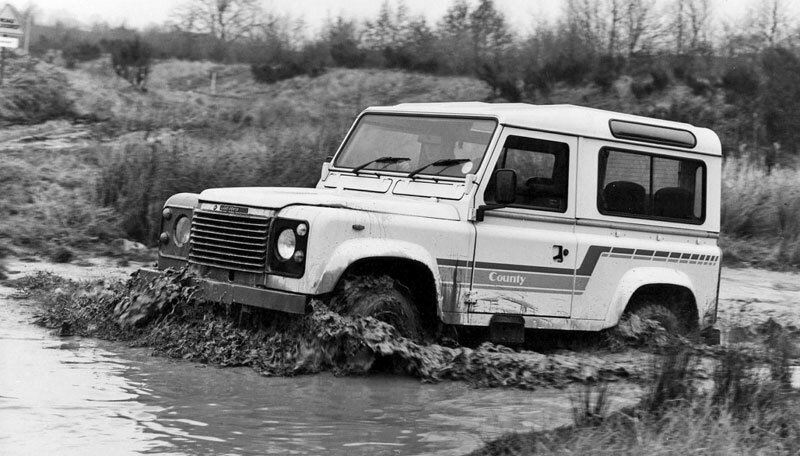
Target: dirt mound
(34, 93)
(163, 314)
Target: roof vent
(651, 133)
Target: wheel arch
(408, 263)
(640, 284)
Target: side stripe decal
(589, 263)
(585, 269)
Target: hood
(279, 197)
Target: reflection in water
(81, 396)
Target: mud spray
(166, 315)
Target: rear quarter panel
(636, 252)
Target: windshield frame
(427, 175)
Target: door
(525, 253)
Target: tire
(384, 299)
(668, 319)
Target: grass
(46, 203)
(760, 214)
(740, 410)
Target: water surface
(84, 396)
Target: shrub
(269, 73)
(780, 97)
(131, 61)
(62, 255)
(311, 60)
(136, 179)
(570, 69)
(81, 52)
(35, 96)
(660, 78)
(502, 81)
(608, 70)
(740, 83)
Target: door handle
(559, 253)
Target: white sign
(9, 22)
(7, 42)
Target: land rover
(507, 216)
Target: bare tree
(698, 15)
(640, 23)
(770, 21)
(691, 24)
(587, 19)
(615, 12)
(679, 25)
(228, 20)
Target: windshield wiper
(387, 160)
(446, 162)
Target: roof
(567, 119)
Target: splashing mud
(165, 315)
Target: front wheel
(384, 299)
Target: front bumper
(228, 293)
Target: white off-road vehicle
(507, 216)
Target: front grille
(229, 241)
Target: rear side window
(640, 185)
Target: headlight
(286, 244)
(288, 247)
(183, 227)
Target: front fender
(352, 250)
(639, 277)
(184, 200)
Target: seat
(623, 196)
(543, 192)
(673, 202)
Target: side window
(642, 185)
(542, 169)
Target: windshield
(450, 147)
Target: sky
(522, 14)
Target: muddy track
(49, 135)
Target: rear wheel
(384, 299)
(669, 320)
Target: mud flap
(507, 329)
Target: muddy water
(83, 396)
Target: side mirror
(505, 186)
(505, 192)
